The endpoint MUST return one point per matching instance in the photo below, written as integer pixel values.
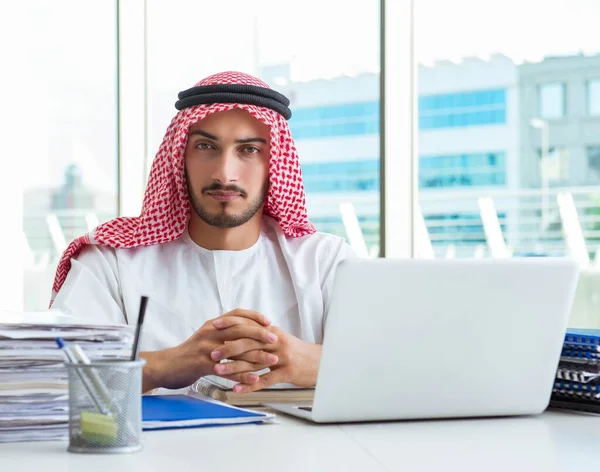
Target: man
(233, 269)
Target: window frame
(397, 113)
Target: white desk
(554, 441)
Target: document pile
(33, 379)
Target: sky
(520, 29)
(326, 38)
(70, 46)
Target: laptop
(417, 339)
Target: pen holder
(105, 406)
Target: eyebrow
(254, 139)
(204, 133)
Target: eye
(250, 150)
(204, 146)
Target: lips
(224, 196)
(224, 193)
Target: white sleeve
(344, 251)
(91, 290)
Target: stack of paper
(33, 379)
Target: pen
(138, 330)
(72, 359)
(96, 380)
(100, 386)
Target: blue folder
(182, 411)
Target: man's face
(227, 167)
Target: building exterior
(484, 126)
(560, 142)
(563, 93)
(468, 142)
(468, 148)
(335, 124)
(475, 140)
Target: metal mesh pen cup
(105, 406)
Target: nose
(226, 168)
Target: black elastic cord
(235, 93)
(235, 88)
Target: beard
(221, 218)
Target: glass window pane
(535, 97)
(334, 90)
(69, 179)
(593, 161)
(552, 100)
(594, 97)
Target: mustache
(216, 187)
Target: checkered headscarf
(166, 208)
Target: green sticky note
(99, 428)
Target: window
(554, 168)
(350, 176)
(350, 119)
(369, 225)
(593, 158)
(456, 110)
(67, 63)
(552, 100)
(458, 229)
(477, 141)
(462, 170)
(334, 103)
(593, 97)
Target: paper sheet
(33, 378)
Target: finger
(251, 315)
(265, 381)
(231, 320)
(258, 357)
(245, 378)
(251, 332)
(235, 348)
(238, 367)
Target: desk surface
(554, 441)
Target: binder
(183, 411)
(576, 405)
(589, 337)
(577, 381)
(579, 355)
(567, 387)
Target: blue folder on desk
(182, 411)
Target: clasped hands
(249, 342)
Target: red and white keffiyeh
(166, 209)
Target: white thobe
(289, 280)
